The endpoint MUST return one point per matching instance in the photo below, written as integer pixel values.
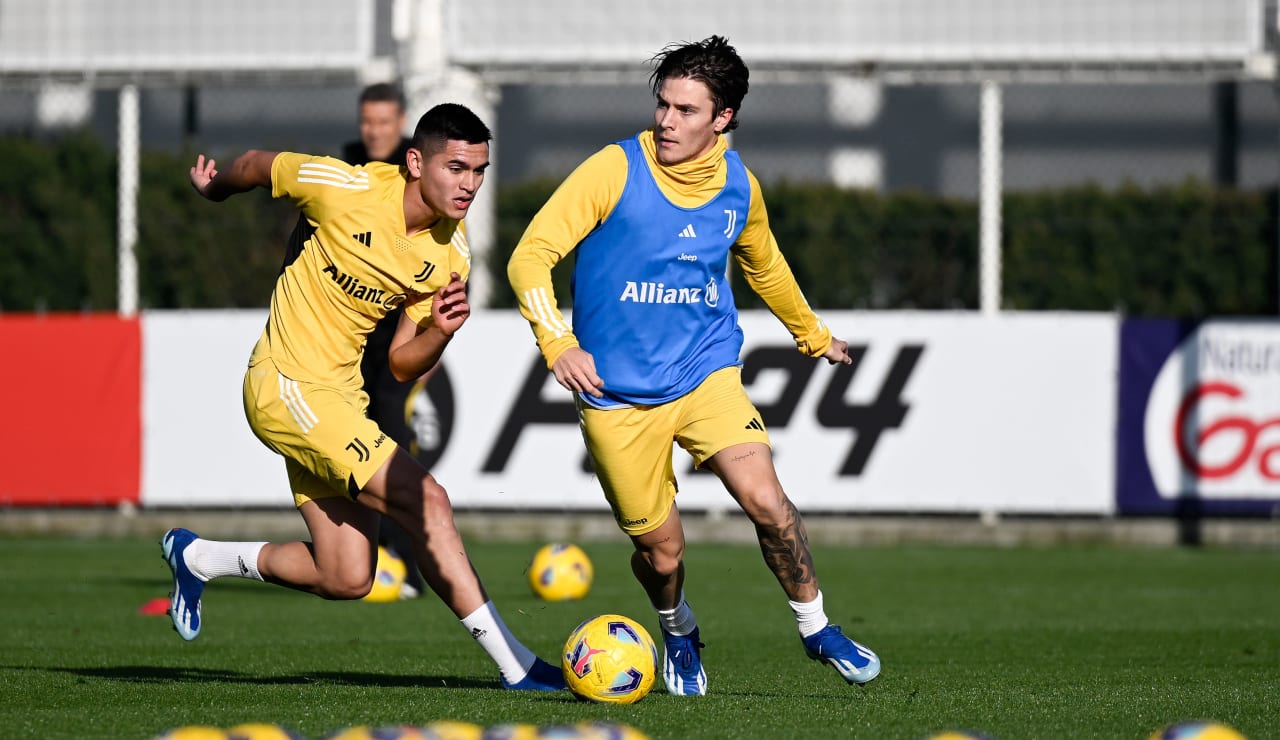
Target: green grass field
(1015, 643)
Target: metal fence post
(127, 203)
(990, 175)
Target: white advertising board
(197, 449)
(943, 412)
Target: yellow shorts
(631, 447)
(330, 447)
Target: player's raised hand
(202, 174)
(575, 369)
(838, 353)
(450, 308)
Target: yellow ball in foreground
(1197, 730)
(261, 731)
(447, 729)
(610, 659)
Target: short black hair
(711, 61)
(382, 92)
(448, 122)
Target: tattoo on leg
(786, 549)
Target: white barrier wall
(197, 449)
(944, 412)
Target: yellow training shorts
(331, 448)
(631, 447)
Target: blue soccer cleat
(855, 662)
(184, 600)
(682, 664)
(542, 677)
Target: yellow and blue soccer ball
(1197, 730)
(447, 729)
(591, 731)
(610, 659)
(388, 578)
(261, 731)
(560, 572)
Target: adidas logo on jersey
(755, 424)
(366, 238)
(688, 232)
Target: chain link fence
(853, 128)
(857, 133)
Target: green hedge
(1189, 250)
(59, 231)
(196, 254)
(57, 225)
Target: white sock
(209, 559)
(678, 621)
(810, 616)
(513, 658)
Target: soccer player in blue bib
(653, 352)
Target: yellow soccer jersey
(357, 266)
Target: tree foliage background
(1186, 251)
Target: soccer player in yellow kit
(653, 353)
(386, 236)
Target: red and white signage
(1212, 423)
(71, 410)
(941, 412)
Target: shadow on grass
(165, 674)
(836, 693)
(165, 581)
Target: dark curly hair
(711, 61)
